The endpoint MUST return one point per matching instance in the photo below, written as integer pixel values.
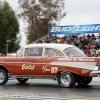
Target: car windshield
(74, 52)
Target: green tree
(40, 14)
(9, 29)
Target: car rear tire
(3, 77)
(22, 80)
(84, 81)
(66, 79)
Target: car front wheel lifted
(66, 79)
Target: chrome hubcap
(1, 77)
(65, 79)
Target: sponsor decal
(28, 67)
(78, 59)
(52, 69)
(86, 59)
(45, 69)
(91, 28)
(76, 28)
(84, 71)
(68, 59)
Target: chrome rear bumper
(95, 74)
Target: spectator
(68, 41)
(89, 44)
(62, 41)
(93, 36)
(98, 53)
(93, 51)
(88, 37)
(58, 40)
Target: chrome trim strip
(32, 77)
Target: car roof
(50, 45)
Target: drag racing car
(62, 62)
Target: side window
(52, 52)
(33, 51)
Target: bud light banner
(91, 28)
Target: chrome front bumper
(95, 74)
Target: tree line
(37, 14)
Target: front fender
(5, 68)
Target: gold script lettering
(27, 67)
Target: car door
(50, 58)
(31, 63)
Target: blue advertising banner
(90, 28)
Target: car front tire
(22, 80)
(3, 77)
(66, 79)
